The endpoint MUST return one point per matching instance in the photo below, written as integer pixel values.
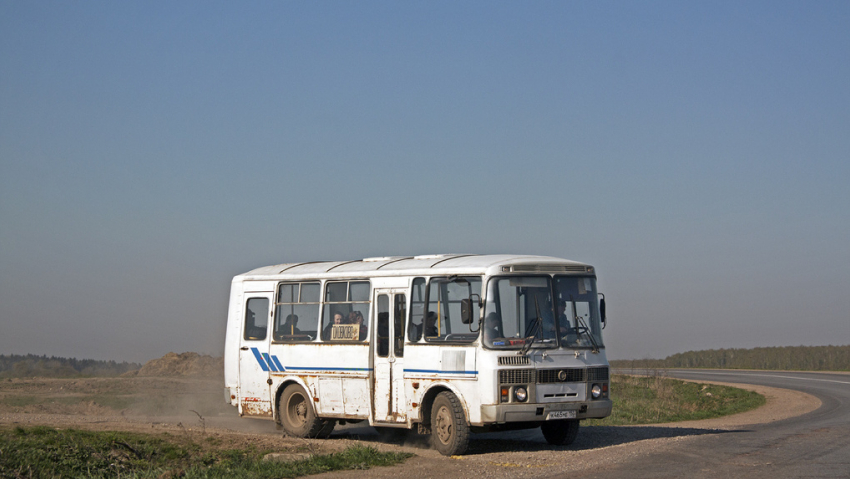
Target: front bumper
(507, 413)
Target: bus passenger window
(398, 325)
(383, 327)
(443, 319)
(297, 312)
(417, 310)
(256, 318)
(346, 311)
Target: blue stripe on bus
(260, 359)
(269, 361)
(326, 369)
(435, 371)
(277, 363)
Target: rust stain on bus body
(310, 383)
(261, 408)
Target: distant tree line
(30, 365)
(803, 358)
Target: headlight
(596, 391)
(520, 394)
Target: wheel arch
(279, 392)
(428, 401)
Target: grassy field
(656, 399)
(46, 452)
(798, 358)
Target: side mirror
(466, 311)
(602, 311)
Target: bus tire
(296, 413)
(449, 430)
(560, 433)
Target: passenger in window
(358, 320)
(289, 326)
(431, 330)
(326, 333)
(252, 330)
(546, 327)
(563, 321)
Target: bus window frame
(265, 330)
(551, 282)
(367, 318)
(277, 303)
(428, 281)
(411, 310)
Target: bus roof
(425, 265)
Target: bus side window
(383, 327)
(398, 325)
(297, 311)
(348, 302)
(256, 319)
(443, 320)
(417, 310)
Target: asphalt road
(816, 444)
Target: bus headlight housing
(596, 391)
(521, 394)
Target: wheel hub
(443, 425)
(298, 410)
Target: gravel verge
(492, 455)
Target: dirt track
(195, 408)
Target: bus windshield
(519, 310)
(578, 311)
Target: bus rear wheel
(560, 433)
(297, 416)
(449, 430)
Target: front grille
(513, 360)
(569, 375)
(548, 376)
(597, 374)
(516, 376)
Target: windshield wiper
(595, 349)
(537, 325)
(589, 335)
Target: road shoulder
(781, 404)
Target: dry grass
(654, 398)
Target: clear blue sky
(697, 153)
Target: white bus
(443, 344)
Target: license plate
(569, 414)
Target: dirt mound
(184, 365)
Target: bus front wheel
(449, 430)
(296, 414)
(560, 433)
